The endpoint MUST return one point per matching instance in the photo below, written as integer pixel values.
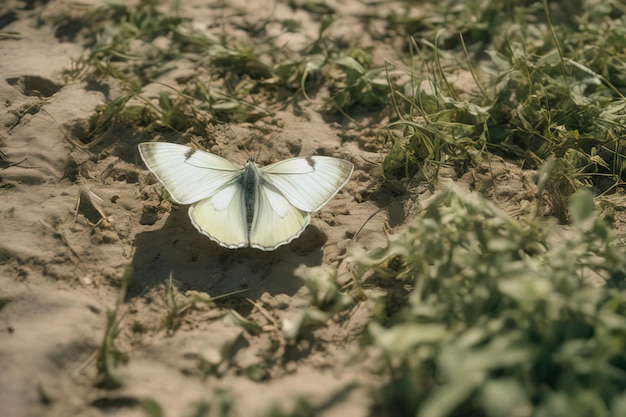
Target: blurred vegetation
(498, 317)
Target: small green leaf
(151, 407)
(582, 209)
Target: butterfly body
(263, 208)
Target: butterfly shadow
(197, 263)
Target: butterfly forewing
(188, 174)
(309, 182)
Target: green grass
(541, 89)
(234, 81)
(110, 359)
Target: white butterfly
(238, 207)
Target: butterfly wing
(308, 183)
(276, 221)
(188, 174)
(208, 182)
(287, 191)
(223, 217)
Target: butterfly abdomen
(250, 183)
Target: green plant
(180, 305)
(499, 319)
(360, 88)
(109, 357)
(326, 299)
(540, 94)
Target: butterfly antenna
(269, 144)
(356, 235)
(241, 144)
(271, 141)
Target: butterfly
(259, 207)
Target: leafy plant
(325, 300)
(180, 305)
(500, 318)
(362, 89)
(443, 130)
(541, 93)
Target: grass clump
(498, 317)
(135, 53)
(110, 359)
(542, 89)
(141, 45)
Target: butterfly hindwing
(276, 221)
(188, 174)
(222, 217)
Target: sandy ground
(61, 264)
